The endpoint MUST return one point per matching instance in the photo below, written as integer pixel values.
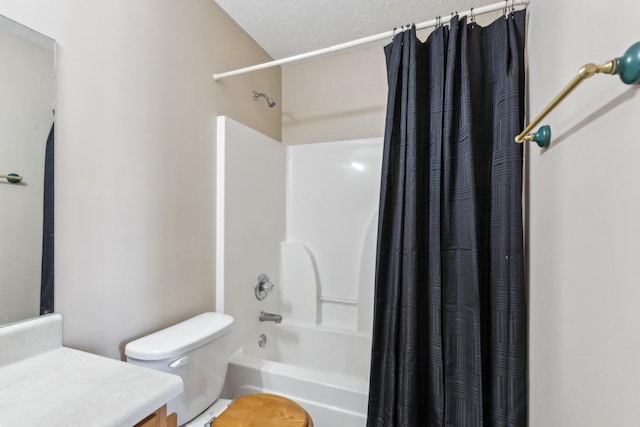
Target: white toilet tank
(197, 350)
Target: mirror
(27, 84)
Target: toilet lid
(263, 410)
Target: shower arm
(270, 102)
(628, 66)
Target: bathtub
(301, 363)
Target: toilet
(197, 350)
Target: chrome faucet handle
(263, 286)
(268, 286)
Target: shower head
(270, 102)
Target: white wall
(251, 224)
(135, 156)
(26, 78)
(584, 230)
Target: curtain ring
(506, 8)
(473, 19)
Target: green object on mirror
(14, 178)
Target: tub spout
(270, 317)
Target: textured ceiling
(289, 27)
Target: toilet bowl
(197, 350)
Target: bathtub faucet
(270, 317)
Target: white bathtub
(302, 363)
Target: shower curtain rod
(505, 5)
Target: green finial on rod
(543, 136)
(628, 65)
(13, 178)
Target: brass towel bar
(627, 66)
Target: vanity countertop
(66, 387)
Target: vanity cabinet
(159, 419)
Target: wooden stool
(263, 410)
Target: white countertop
(67, 387)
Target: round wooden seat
(263, 410)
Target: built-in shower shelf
(336, 300)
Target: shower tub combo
(305, 216)
(298, 362)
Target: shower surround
(306, 215)
(328, 257)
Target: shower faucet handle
(263, 286)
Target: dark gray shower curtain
(449, 335)
(46, 277)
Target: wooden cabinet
(159, 419)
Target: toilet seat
(263, 410)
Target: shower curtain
(449, 335)
(46, 276)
